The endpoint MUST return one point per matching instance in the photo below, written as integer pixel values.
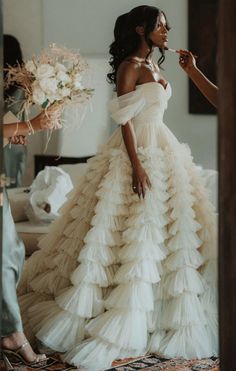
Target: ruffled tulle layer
(130, 275)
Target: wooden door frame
(1, 152)
(227, 183)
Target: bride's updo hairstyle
(127, 39)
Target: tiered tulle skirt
(120, 276)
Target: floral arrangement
(52, 81)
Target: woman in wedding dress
(130, 266)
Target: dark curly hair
(126, 38)
(12, 55)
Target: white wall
(199, 131)
(23, 19)
(88, 25)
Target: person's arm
(15, 129)
(126, 82)
(207, 88)
(22, 128)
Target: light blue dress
(13, 254)
(15, 155)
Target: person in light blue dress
(14, 155)
(13, 341)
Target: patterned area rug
(149, 363)
(152, 362)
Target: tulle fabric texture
(118, 276)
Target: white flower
(30, 66)
(77, 81)
(44, 71)
(39, 96)
(63, 77)
(52, 98)
(65, 92)
(60, 67)
(48, 85)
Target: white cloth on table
(48, 193)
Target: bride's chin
(165, 44)
(161, 45)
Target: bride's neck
(143, 53)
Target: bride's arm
(208, 89)
(126, 81)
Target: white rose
(44, 71)
(52, 98)
(38, 96)
(65, 92)
(48, 85)
(60, 67)
(30, 66)
(63, 77)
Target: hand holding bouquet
(52, 81)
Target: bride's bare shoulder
(127, 76)
(128, 66)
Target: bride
(130, 266)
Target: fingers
(149, 184)
(18, 139)
(182, 61)
(185, 61)
(186, 58)
(146, 184)
(184, 52)
(22, 140)
(137, 188)
(141, 187)
(143, 191)
(140, 183)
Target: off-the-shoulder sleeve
(126, 107)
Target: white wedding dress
(117, 276)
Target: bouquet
(52, 81)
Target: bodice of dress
(144, 105)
